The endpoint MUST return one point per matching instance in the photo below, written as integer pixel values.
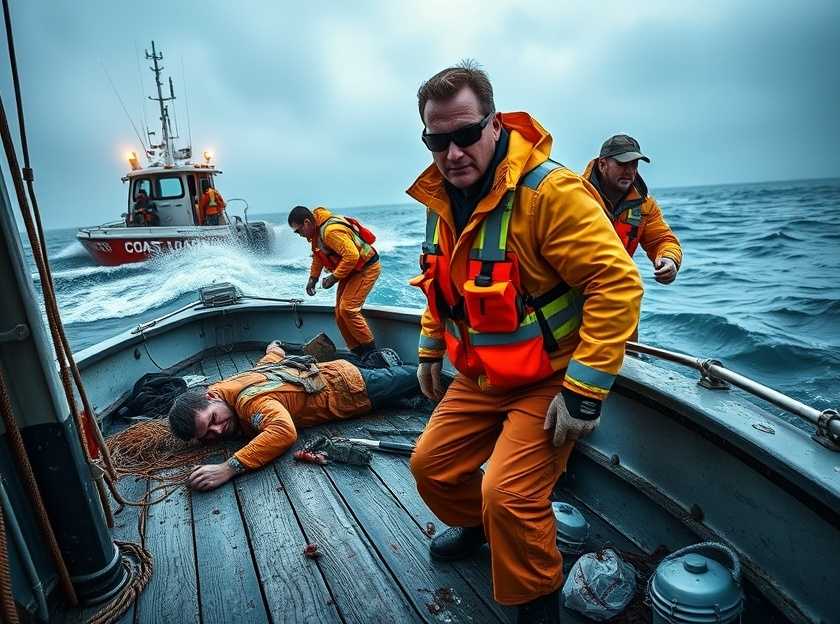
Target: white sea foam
(130, 290)
(72, 250)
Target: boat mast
(167, 144)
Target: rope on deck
(137, 562)
(7, 601)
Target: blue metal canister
(572, 528)
(690, 588)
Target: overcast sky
(315, 102)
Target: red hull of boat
(115, 251)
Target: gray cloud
(315, 103)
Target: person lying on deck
(272, 400)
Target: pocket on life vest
(516, 364)
(495, 308)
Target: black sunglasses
(462, 137)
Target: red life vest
(628, 228)
(362, 237)
(496, 329)
(213, 200)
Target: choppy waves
(759, 288)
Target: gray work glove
(665, 270)
(571, 416)
(431, 382)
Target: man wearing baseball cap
(635, 215)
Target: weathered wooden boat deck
(236, 554)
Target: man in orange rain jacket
(635, 214)
(342, 246)
(271, 401)
(210, 205)
(532, 297)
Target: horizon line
(409, 203)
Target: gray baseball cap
(622, 148)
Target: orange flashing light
(133, 161)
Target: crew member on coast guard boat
(210, 205)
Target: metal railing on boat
(714, 375)
(211, 297)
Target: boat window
(191, 185)
(170, 187)
(143, 183)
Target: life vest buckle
(483, 280)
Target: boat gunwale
(790, 453)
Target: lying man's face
(217, 421)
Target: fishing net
(149, 450)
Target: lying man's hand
(566, 425)
(328, 282)
(664, 270)
(310, 286)
(431, 384)
(210, 476)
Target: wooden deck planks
(172, 593)
(229, 588)
(126, 522)
(436, 589)
(210, 365)
(293, 586)
(395, 473)
(226, 366)
(361, 584)
(241, 361)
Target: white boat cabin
(173, 191)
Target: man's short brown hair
(447, 83)
(183, 411)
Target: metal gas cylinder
(688, 587)
(572, 528)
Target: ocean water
(759, 288)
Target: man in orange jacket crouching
(532, 297)
(271, 401)
(343, 246)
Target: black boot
(543, 610)
(457, 543)
(363, 350)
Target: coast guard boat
(173, 184)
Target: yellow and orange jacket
(639, 213)
(559, 232)
(211, 203)
(343, 242)
(272, 411)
